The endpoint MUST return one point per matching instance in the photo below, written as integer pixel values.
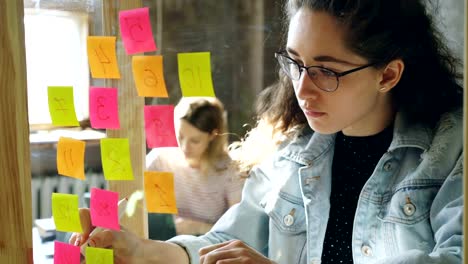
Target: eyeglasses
(325, 79)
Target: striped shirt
(200, 197)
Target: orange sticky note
(159, 192)
(70, 157)
(195, 74)
(115, 156)
(99, 255)
(61, 106)
(102, 58)
(65, 212)
(148, 75)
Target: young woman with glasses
(373, 172)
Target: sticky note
(99, 255)
(195, 74)
(65, 253)
(115, 156)
(148, 76)
(159, 192)
(102, 58)
(104, 209)
(61, 106)
(70, 157)
(159, 126)
(65, 212)
(135, 28)
(104, 108)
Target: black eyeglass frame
(301, 69)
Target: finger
(208, 249)
(75, 239)
(103, 239)
(227, 261)
(85, 219)
(230, 261)
(217, 256)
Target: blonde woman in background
(206, 182)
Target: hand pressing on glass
(232, 252)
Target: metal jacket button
(409, 207)
(387, 166)
(288, 219)
(366, 251)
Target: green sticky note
(61, 106)
(65, 212)
(99, 255)
(115, 157)
(195, 74)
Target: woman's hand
(125, 244)
(232, 252)
(78, 239)
(128, 248)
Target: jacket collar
(308, 145)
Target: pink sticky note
(103, 108)
(65, 253)
(135, 28)
(104, 209)
(159, 126)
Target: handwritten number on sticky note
(63, 212)
(117, 165)
(68, 158)
(102, 57)
(61, 105)
(101, 106)
(159, 127)
(161, 193)
(133, 24)
(150, 78)
(103, 208)
(194, 78)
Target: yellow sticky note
(159, 192)
(195, 74)
(102, 58)
(65, 212)
(70, 157)
(115, 156)
(99, 255)
(61, 106)
(148, 75)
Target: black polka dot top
(354, 161)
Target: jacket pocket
(286, 212)
(409, 205)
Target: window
(55, 56)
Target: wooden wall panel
(130, 113)
(15, 173)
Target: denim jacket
(409, 211)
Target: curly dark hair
(382, 31)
